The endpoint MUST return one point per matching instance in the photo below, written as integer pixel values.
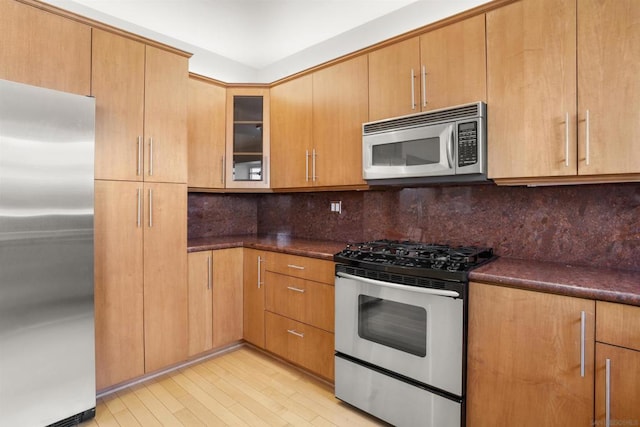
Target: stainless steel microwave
(446, 145)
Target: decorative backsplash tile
(595, 225)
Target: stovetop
(415, 258)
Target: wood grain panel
(291, 133)
(165, 275)
(531, 87)
(253, 297)
(618, 324)
(313, 350)
(206, 134)
(456, 65)
(43, 49)
(200, 303)
(302, 300)
(165, 116)
(227, 296)
(318, 270)
(118, 283)
(523, 360)
(624, 385)
(608, 86)
(118, 86)
(340, 106)
(392, 89)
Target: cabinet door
(206, 134)
(200, 302)
(118, 282)
(227, 296)
(248, 133)
(454, 60)
(531, 89)
(340, 95)
(253, 297)
(524, 358)
(622, 388)
(291, 133)
(118, 86)
(43, 49)
(608, 86)
(395, 80)
(165, 275)
(165, 116)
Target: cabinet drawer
(304, 345)
(618, 324)
(299, 299)
(299, 266)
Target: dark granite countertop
(622, 286)
(322, 249)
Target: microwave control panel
(467, 143)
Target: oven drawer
(299, 266)
(392, 400)
(618, 324)
(303, 300)
(304, 345)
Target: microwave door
(416, 152)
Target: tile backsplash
(588, 224)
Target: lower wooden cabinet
(526, 353)
(215, 299)
(307, 346)
(253, 297)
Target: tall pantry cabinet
(141, 205)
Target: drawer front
(618, 324)
(299, 266)
(304, 345)
(302, 300)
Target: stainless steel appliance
(400, 330)
(47, 369)
(446, 145)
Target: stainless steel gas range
(400, 331)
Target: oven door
(416, 332)
(410, 153)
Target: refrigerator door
(47, 368)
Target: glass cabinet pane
(248, 138)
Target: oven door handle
(431, 291)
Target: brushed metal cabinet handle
(222, 170)
(413, 90)
(139, 159)
(297, 267)
(139, 212)
(313, 165)
(607, 393)
(150, 208)
(293, 288)
(150, 156)
(583, 325)
(260, 261)
(587, 138)
(209, 272)
(566, 140)
(424, 86)
(306, 165)
(296, 333)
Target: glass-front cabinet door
(247, 138)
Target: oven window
(393, 324)
(408, 153)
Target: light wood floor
(243, 387)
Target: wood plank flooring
(243, 387)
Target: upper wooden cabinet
(248, 133)
(43, 49)
(340, 94)
(292, 133)
(524, 359)
(536, 132)
(141, 110)
(441, 68)
(206, 133)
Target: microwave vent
(430, 117)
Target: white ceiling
(262, 40)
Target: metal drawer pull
(607, 393)
(260, 282)
(296, 289)
(583, 324)
(296, 333)
(297, 267)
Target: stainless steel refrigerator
(47, 360)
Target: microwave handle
(418, 289)
(450, 148)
